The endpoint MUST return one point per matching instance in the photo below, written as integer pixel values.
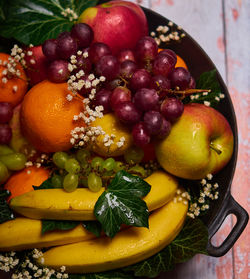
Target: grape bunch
(84, 169)
(142, 94)
(6, 113)
(10, 161)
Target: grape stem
(188, 91)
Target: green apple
(200, 142)
(119, 24)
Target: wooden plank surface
(222, 29)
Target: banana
(127, 247)
(23, 233)
(56, 204)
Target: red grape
(111, 85)
(6, 112)
(160, 84)
(170, 53)
(192, 83)
(5, 134)
(165, 129)
(140, 135)
(108, 66)
(153, 121)
(180, 77)
(146, 49)
(140, 79)
(120, 94)
(83, 34)
(63, 34)
(58, 71)
(49, 49)
(172, 108)
(127, 68)
(163, 65)
(146, 99)
(102, 98)
(126, 54)
(98, 50)
(66, 46)
(127, 113)
(83, 64)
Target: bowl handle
(230, 206)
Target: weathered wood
(238, 71)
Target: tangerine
(47, 116)
(180, 63)
(21, 182)
(12, 87)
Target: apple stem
(218, 151)
(188, 91)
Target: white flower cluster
(165, 34)
(8, 261)
(209, 191)
(207, 103)
(69, 13)
(28, 269)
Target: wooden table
(222, 28)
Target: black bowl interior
(199, 62)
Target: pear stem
(218, 151)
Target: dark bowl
(199, 62)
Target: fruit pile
(94, 134)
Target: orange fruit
(47, 116)
(21, 182)
(180, 63)
(12, 87)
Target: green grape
(14, 161)
(5, 149)
(70, 182)
(138, 170)
(82, 155)
(97, 163)
(133, 155)
(119, 166)
(86, 167)
(84, 182)
(94, 182)
(109, 164)
(60, 158)
(4, 173)
(57, 181)
(72, 166)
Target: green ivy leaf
(207, 80)
(6, 213)
(47, 184)
(34, 21)
(190, 241)
(93, 226)
(52, 225)
(161, 262)
(113, 274)
(121, 203)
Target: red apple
(200, 142)
(119, 24)
(37, 64)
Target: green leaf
(152, 267)
(207, 80)
(52, 225)
(191, 240)
(121, 203)
(6, 213)
(93, 226)
(47, 184)
(34, 21)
